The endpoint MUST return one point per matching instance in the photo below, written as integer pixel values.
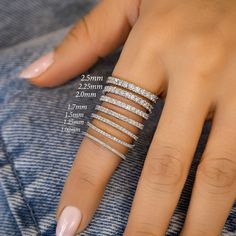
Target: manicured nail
(38, 67)
(69, 221)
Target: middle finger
(95, 164)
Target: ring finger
(215, 186)
(169, 158)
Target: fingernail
(69, 221)
(38, 67)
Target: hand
(184, 51)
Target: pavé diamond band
(115, 125)
(128, 95)
(125, 106)
(132, 87)
(109, 136)
(129, 91)
(119, 116)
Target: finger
(94, 165)
(97, 34)
(168, 160)
(215, 186)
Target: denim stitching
(9, 159)
(10, 209)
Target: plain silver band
(125, 106)
(104, 145)
(119, 116)
(115, 125)
(128, 95)
(132, 87)
(113, 138)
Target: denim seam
(9, 159)
(10, 209)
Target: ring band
(119, 116)
(109, 136)
(125, 106)
(113, 124)
(104, 145)
(132, 87)
(130, 96)
(135, 94)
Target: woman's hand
(185, 51)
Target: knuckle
(82, 33)
(145, 229)
(218, 175)
(87, 34)
(87, 177)
(165, 168)
(210, 51)
(144, 233)
(75, 31)
(87, 180)
(153, 41)
(201, 229)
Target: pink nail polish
(38, 67)
(69, 221)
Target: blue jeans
(36, 155)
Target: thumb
(97, 34)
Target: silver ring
(125, 106)
(128, 95)
(134, 94)
(104, 133)
(132, 87)
(113, 124)
(105, 145)
(119, 116)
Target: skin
(187, 55)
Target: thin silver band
(128, 95)
(124, 106)
(132, 87)
(119, 116)
(104, 145)
(109, 136)
(113, 124)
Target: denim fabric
(35, 156)
(21, 20)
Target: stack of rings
(129, 91)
